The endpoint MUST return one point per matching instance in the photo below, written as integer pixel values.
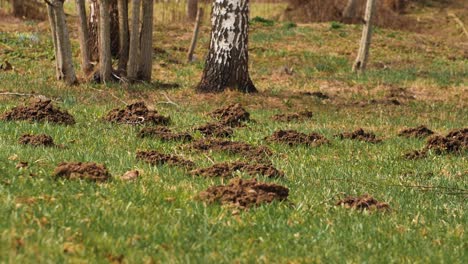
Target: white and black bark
(132, 66)
(226, 65)
(363, 53)
(105, 56)
(192, 7)
(86, 65)
(146, 41)
(123, 36)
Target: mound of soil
(292, 138)
(245, 193)
(227, 170)
(156, 158)
(82, 170)
(232, 115)
(36, 140)
(460, 135)
(241, 148)
(363, 202)
(215, 130)
(454, 142)
(416, 132)
(304, 115)
(136, 113)
(164, 133)
(360, 135)
(39, 110)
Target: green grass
(158, 218)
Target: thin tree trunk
(363, 54)
(67, 72)
(132, 69)
(93, 25)
(192, 7)
(105, 56)
(146, 45)
(226, 65)
(53, 29)
(84, 37)
(123, 35)
(195, 35)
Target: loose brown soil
(137, 113)
(360, 135)
(363, 202)
(455, 142)
(164, 133)
(292, 138)
(416, 132)
(36, 140)
(227, 170)
(245, 193)
(39, 110)
(241, 148)
(215, 130)
(156, 158)
(82, 170)
(304, 115)
(232, 115)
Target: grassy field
(158, 218)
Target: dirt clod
(232, 147)
(227, 170)
(363, 202)
(137, 113)
(215, 130)
(232, 115)
(130, 175)
(36, 140)
(300, 116)
(156, 158)
(82, 170)
(454, 142)
(416, 132)
(165, 134)
(360, 135)
(416, 154)
(245, 193)
(39, 110)
(292, 138)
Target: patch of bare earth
(157, 158)
(82, 170)
(363, 202)
(455, 142)
(232, 115)
(137, 113)
(227, 170)
(39, 110)
(215, 130)
(232, 147)
(36, 140)
(360, 135)
(300, 116)
(245, 193)
(416, 132)
(293, 138)
(164, 134)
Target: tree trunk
(146, 38)
(105, 56)
(84, 37)
(123, 36)
(226, 65)
(93, 25)
(350, 11)
(66, 69)
(192, 7)
(363, 54)
(53, 29)
(193, 44)
(132, 68)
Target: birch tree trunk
(146, 41)
(123, 35)
(363, 54)
(84, 37)
(53, 29)
(192, 7)
(93, 25)
(105, 56)
(132, 67)
(226, 65)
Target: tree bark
(193, 44)
(53, 29)
(105, 56)
(93, 25)
(146, 44)
(132, 67)
(226, 65)
(192, 7)
(123, 36)
(86, 65)
(363, 54)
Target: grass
(157, 218)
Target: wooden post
(363, 54)
(195, 35)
